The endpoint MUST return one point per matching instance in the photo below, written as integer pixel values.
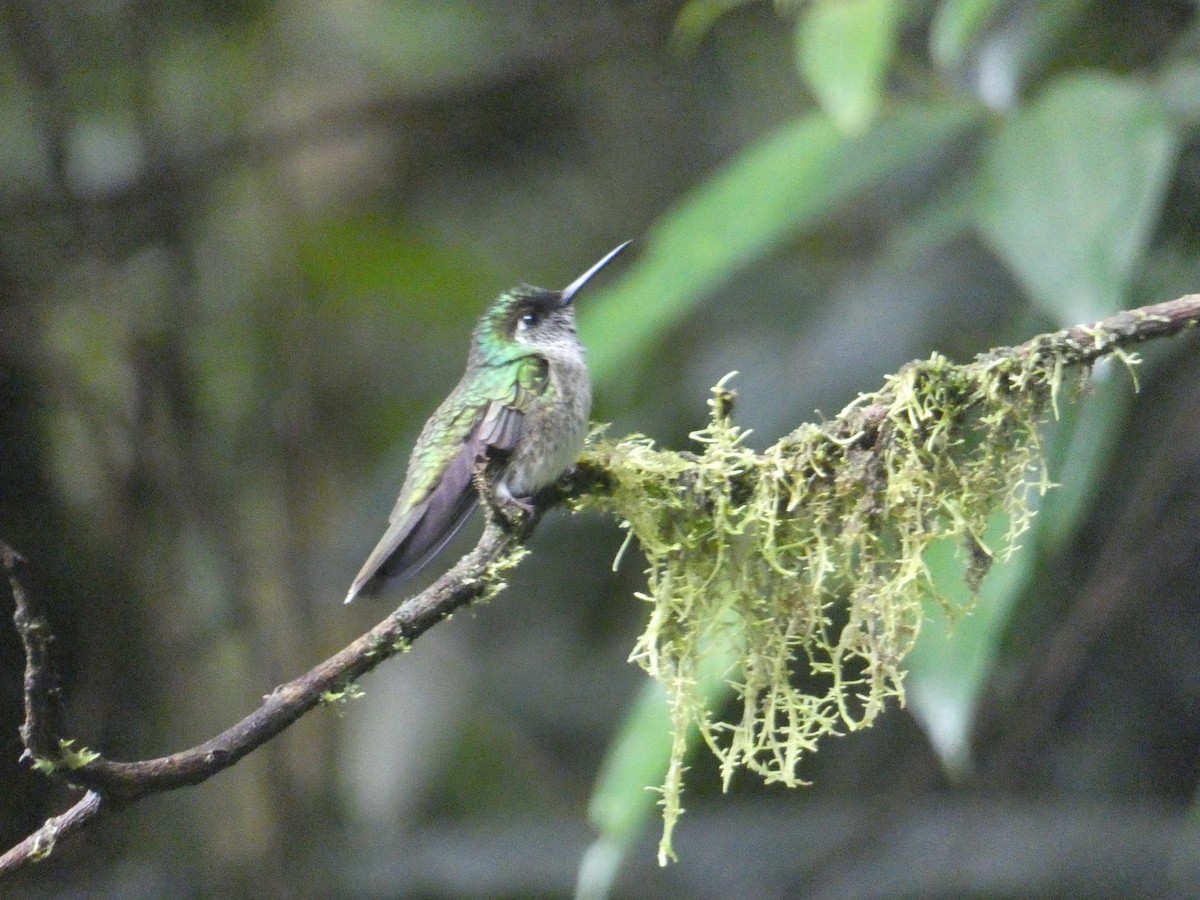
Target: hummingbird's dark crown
(526, 300)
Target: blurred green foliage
(242, 247)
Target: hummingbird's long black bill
(573, 288)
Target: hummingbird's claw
(515, 512)
(515, 507)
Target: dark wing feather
(418, 531)
(500, 427)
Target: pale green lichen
(44, 840)
(69, 757)
(351, 691)
(807, 559)
(495, 578)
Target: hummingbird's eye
(529, 320)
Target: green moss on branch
(805, 562)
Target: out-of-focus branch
(112, 785)
(41, 843)
(41, 727)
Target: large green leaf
(1070, 191)
(1180, 88)
(844, 49)
(785, 183)
(635, 763)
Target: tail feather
(409, 544)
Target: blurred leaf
(1022, 45)
(1038, 30)
(204, 83)
(696, 19)
(947, 670)
(624, 793)
(789, 181)
(105, 153)
(635, 763)
(599, 868)
(1079, 449)
(955, 27)
(845, 47)
(1180, 89)
(357, 264)
(1071, 188)
(425, 44)
(634, 769)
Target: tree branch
(1124, 329)
(41, 843)
(113, 785)
(41, 728)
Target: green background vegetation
(242, 246)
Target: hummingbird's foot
(515, 512)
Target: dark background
(241, 249)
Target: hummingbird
(522, 405)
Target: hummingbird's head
(536, 319)
(527, 319)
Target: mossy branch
(805, 563)
(806, 558)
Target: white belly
(553, 433)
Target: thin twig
(40, 844)
(1127, 328)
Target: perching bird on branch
(522, 406)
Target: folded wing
(432, 509)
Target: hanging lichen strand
(799, 571)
